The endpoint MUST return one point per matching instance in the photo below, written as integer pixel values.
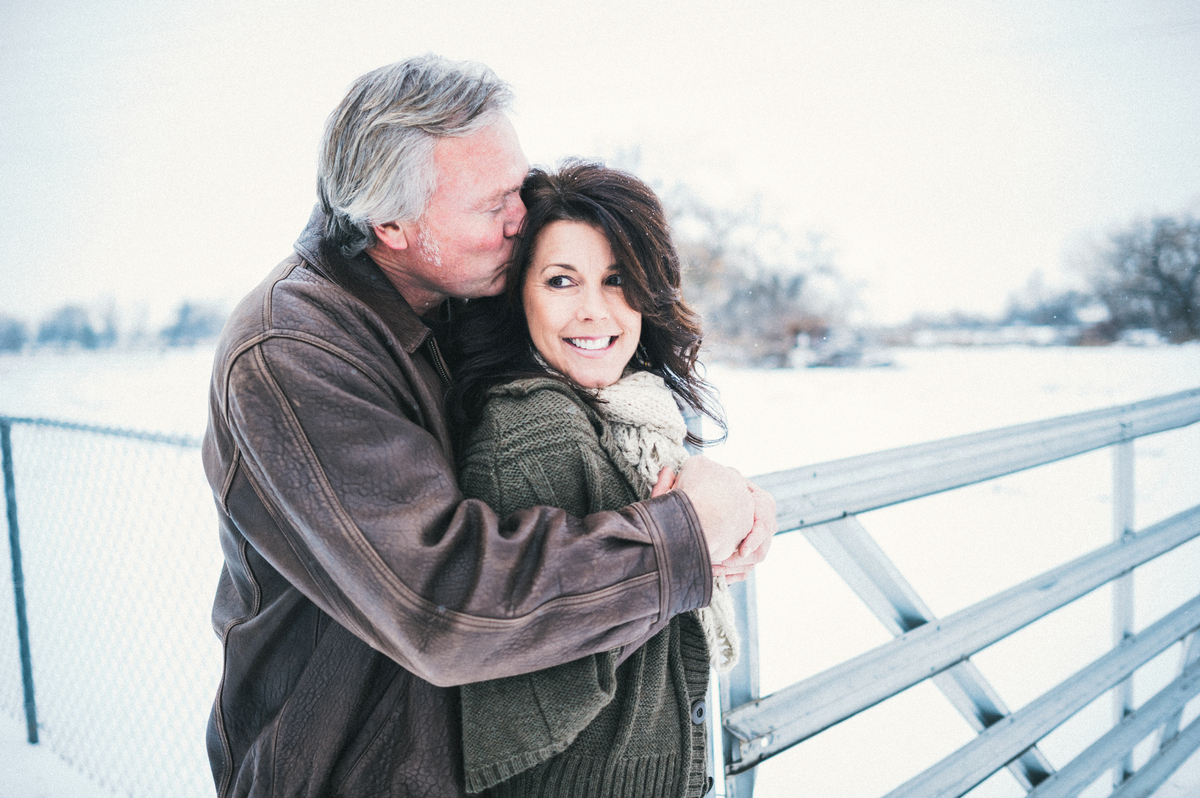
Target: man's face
(461, 246)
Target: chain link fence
(120, 558)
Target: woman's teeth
(591, 343)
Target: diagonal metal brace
(857, 558)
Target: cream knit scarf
(649, 431)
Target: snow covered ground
(956, 548)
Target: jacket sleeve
(369, 523)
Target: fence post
(1122, 591)
(14, 543)
(695, 426)
(740, 685)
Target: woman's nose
(593, 305)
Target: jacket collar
(363, 279)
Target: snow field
(124, 654)
(962, 546)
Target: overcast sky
(155, 150)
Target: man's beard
(429, 247)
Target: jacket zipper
(438, 363)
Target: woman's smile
(592, 344)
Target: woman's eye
(558, 281)
(614, 279)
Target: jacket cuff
(684, 570)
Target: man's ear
(394, 235)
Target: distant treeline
(761, 289)
(78, 327)
(756, 284)
(763, 294)
(1145, 278)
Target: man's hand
(754, 548)
(724, 502)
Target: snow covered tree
(1149, 276)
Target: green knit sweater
(588, 728)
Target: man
(359, 587)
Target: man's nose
(515, 216)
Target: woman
(568, 387)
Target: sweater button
(699, 711)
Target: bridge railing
(822, 502)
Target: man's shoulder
(291, 299)
(299, 300)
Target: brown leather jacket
(359, 586)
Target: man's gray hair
(376, 160)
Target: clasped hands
(727, 505)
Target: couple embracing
(466, 549)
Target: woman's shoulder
(540, 395)
(539, 387)
(540, 409)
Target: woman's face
(575, 305)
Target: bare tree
(1036, 304)
(68, 325)
(13, 334)
(194, 322)
(755, 285)
(1149, 276)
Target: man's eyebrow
(520, 181)
(501, 194)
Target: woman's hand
(755, 545)
(666, 481)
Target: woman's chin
(593, 378)
(587, 370)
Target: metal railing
(822, 502)
(114, 562)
